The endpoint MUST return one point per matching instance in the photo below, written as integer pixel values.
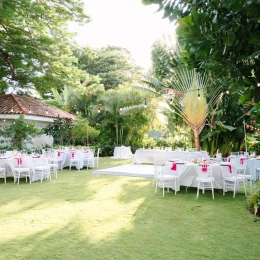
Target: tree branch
(4, 57)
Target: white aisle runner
(134, 170)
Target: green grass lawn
(81, 215)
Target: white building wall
(41, 141)
(37, 142)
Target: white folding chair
(55, 158)
(231, 181)
(21, 169)
(205, 179)
(3, 174)
(241, 172)
(164, 180)
(96, 158)
(74, 160)
(89, 159)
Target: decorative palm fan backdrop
(194, 95)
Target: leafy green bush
(107, 150)
(20, 133)
(253, 201)
(149, 143)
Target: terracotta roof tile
(15, 104)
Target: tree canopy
(114, 65)
(221, 37)
(35, 46)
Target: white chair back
(205, 170)
(158, 166)
(219, 157)
(21, 163)
(228, 170)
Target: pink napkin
(174, 167)
(230, 168)
(72, 155)
(228, 159)
(241, 160)
(86, 151)
(19, 161)
(204, 168)
(58, 153)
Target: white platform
(134, 170)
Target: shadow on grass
(86, 216)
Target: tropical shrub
(253, 201)
(149, 143)
(84, 134)
(20, 132)
(107, 150)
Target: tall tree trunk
(196, 139)
(116, 130)
(61, 140)
(116, 134)
(87, 133)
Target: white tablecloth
(189, 172)
(4, 164)
(147, 156)
(122, 152)
(251, 166)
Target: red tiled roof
(15, 104)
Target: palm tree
(120, 107)
(193, 97)
(62, 100)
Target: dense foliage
(123, 117)
(114, 65)
(36, 50)
(221, 37)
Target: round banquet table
(122, 152)
(30, 161)
(65, 156)
(188, 172)
(148, 155)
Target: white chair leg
(234, 194)
(212, 190)
(163, 188)
(198, 190)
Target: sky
(123, 23)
